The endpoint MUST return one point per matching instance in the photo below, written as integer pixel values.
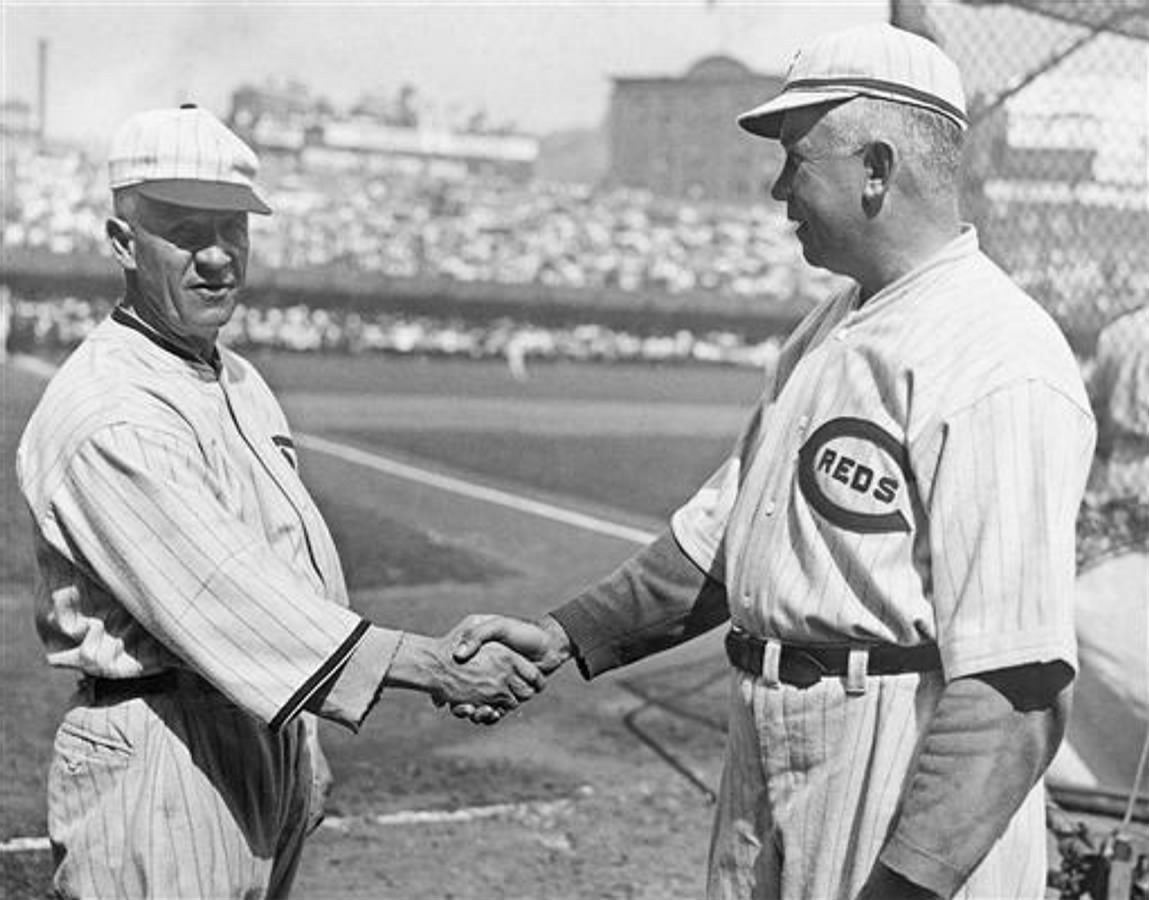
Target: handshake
(485, 666)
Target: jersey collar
(961, 247)
(126, 317)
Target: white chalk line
(401, 818)
(474, 491)
(25, 845)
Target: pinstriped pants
(177, 795)
(812, 781)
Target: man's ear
(879, 159)
(123, 242)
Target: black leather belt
(804, 666)
(102, 691)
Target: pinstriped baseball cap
(188, 157)
(868, 61)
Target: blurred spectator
(1119, 389)
(56, 325)
(5, 320)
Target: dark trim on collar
(121, 316)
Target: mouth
(214, 291)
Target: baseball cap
(188, 157)
(876, 60)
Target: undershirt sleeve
(991, 738)
(657, 599)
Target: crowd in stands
(57, 325)
(418, 224)
(479, 229)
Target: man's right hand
(497, 679)
(544, 642)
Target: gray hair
(125, 203)
(930, 143)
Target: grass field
(625, 444)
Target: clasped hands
(497, 663)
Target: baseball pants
(176, 795)
(811, 784)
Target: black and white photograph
(571, 449)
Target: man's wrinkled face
(189, 264)
(821, 185)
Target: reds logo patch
(855, 475)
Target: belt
(103, 691)
(804, 666)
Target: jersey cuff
(975, 654)
(584, 631)
(921, 868)
(701, 547)
(330, 666)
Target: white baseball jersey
(911, 476)
(173, 532)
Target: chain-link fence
(1057, 181)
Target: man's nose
(780, 189)
(213, 256)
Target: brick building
(677, 136)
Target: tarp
(1110, 719)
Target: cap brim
(766, 120)
(214, 195)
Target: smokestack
(42, 86)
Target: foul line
(472, 490)
(402, 818)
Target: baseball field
(452, 487)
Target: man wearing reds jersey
(186, 573)
(892, 537)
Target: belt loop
(771, 657)
(856, 665)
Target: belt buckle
(799, 669)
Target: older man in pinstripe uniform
(892, 537)
(186, 573)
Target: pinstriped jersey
(911, 475)
(172, 529)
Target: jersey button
(770, 507)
